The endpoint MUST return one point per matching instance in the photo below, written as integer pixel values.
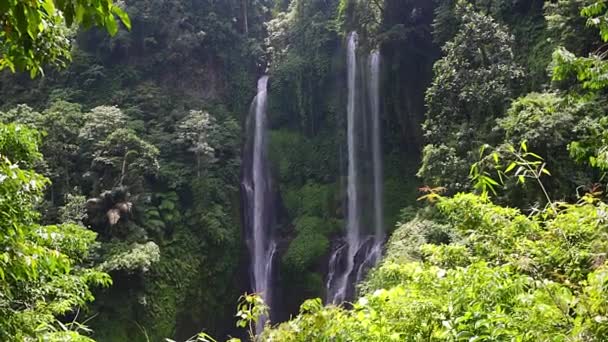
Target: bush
(478, 271)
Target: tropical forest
(303, 170)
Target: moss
(398, 193)
(304, 251)
(130, 312)
(166, 289)
(287, 153)
(314, 285)
(313, 224)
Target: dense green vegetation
(120, 167)
(145, 155)
(465, 268)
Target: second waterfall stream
(364, 231)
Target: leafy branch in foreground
(523, 165)
(35, 33)
(43, 273)
(251, 309)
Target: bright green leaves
(597, 16)
(19, 143)
(42, 273)
(124, 17)
(527, 165)
(131, 258)
(250, 309)
(35, 33)
(590, 71)
(592, 147)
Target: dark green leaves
(35, 33)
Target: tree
(587, 77)
(35, 33)
(42, 275)
(60, 124)
(124, 159)
(100, 122)
(194, 131)
(472, 85)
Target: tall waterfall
(374, 96)
(365, 234)
(256, 184)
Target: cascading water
(374, 96)
(256, 184)
(377, 174)
(362, 248)
(337, 292)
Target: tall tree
(472, 86)
(194, 131)
(123, 159)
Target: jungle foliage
(470, 266)
(145, 155)
(120, 171)
(472, 269)
(45, 270)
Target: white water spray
(364, 246)
(256, 184)
(338, 293)
(374, 95)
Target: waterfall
(378, 176)
(256, 184)
(374, 96)
(337, 293)
(363, 245)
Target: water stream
(362, 247)
(374, 96)
(256, 184)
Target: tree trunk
(123, 170)
(245, 17)
(198, 166)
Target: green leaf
(49, 7)
(111, 25)
(511, 167)
(490, 180)
(534, 155)
(123, 16)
